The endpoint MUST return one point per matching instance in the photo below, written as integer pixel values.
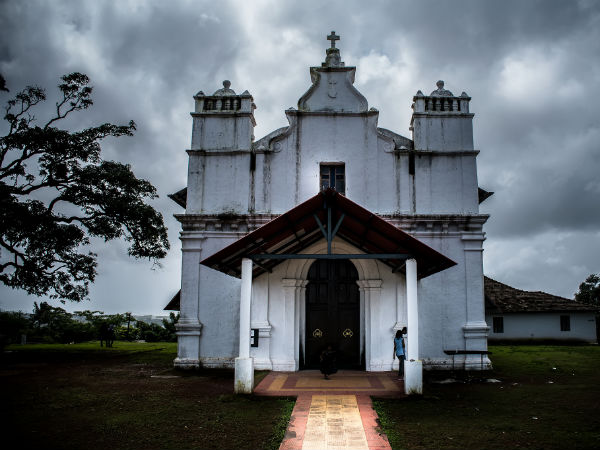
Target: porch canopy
(325, 216)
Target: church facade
(342, 232)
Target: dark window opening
(498, 325)
(333, 176)
(411, 163)
(565, 323)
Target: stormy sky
(532, 69)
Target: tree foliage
(13, 324)
(56, 191)
(51, 324)
(151, 332)
(589, 290)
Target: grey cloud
(146, 64)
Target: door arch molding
(368, 272)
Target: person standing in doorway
(400, 351)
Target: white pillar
(400, 314)
(283, 357)
(413, 368)
(298, 321)
(189, 327)
(370, 297)
(244, 365)
(475, 329)
(412, 309)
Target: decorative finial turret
(225, 90)
(333, 58)
(440, 91)
(441, 121)
(441, 100)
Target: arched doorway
(333, 313)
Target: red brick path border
(294, 435)
(375, 439)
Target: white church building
(331, 231)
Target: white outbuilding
(331, 231)
(514, 315)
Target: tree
(589, 290)
(48, 316)
(12, 325)
(128, 319)
(152, 332)
(56, 192)
(169, 326)
(3, 84)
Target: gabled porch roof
(325, 216)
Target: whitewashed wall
(544, 326)
(438, 204)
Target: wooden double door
(333, 313)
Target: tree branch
(42, 241)
(59, 105)
(27, 98)
(9, 264)
(10, 169)
(13, 250)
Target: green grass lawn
(94, 346)
(128, 397)
(548, 398)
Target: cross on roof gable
(325, 216)
(333, 37)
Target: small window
(565, 323)
(333, 176)
(498, 325)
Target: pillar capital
(293, 282)
(188, 327)
(370, 284)
(475, 330)
(191, 240)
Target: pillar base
(186, 363)
(244, 376)
(413, 377)
(188, 344)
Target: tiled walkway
(381, 384)
(335, 413)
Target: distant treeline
(50, 324)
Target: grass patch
(548, 398)
(83, 396)
(94, 346)
(281, 425)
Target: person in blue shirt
(400, 351)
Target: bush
(12, 326)
(51, 324)
(155, 333)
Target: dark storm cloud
(532, 68)
(145, 62)
(552, 199)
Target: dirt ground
(114, 400)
